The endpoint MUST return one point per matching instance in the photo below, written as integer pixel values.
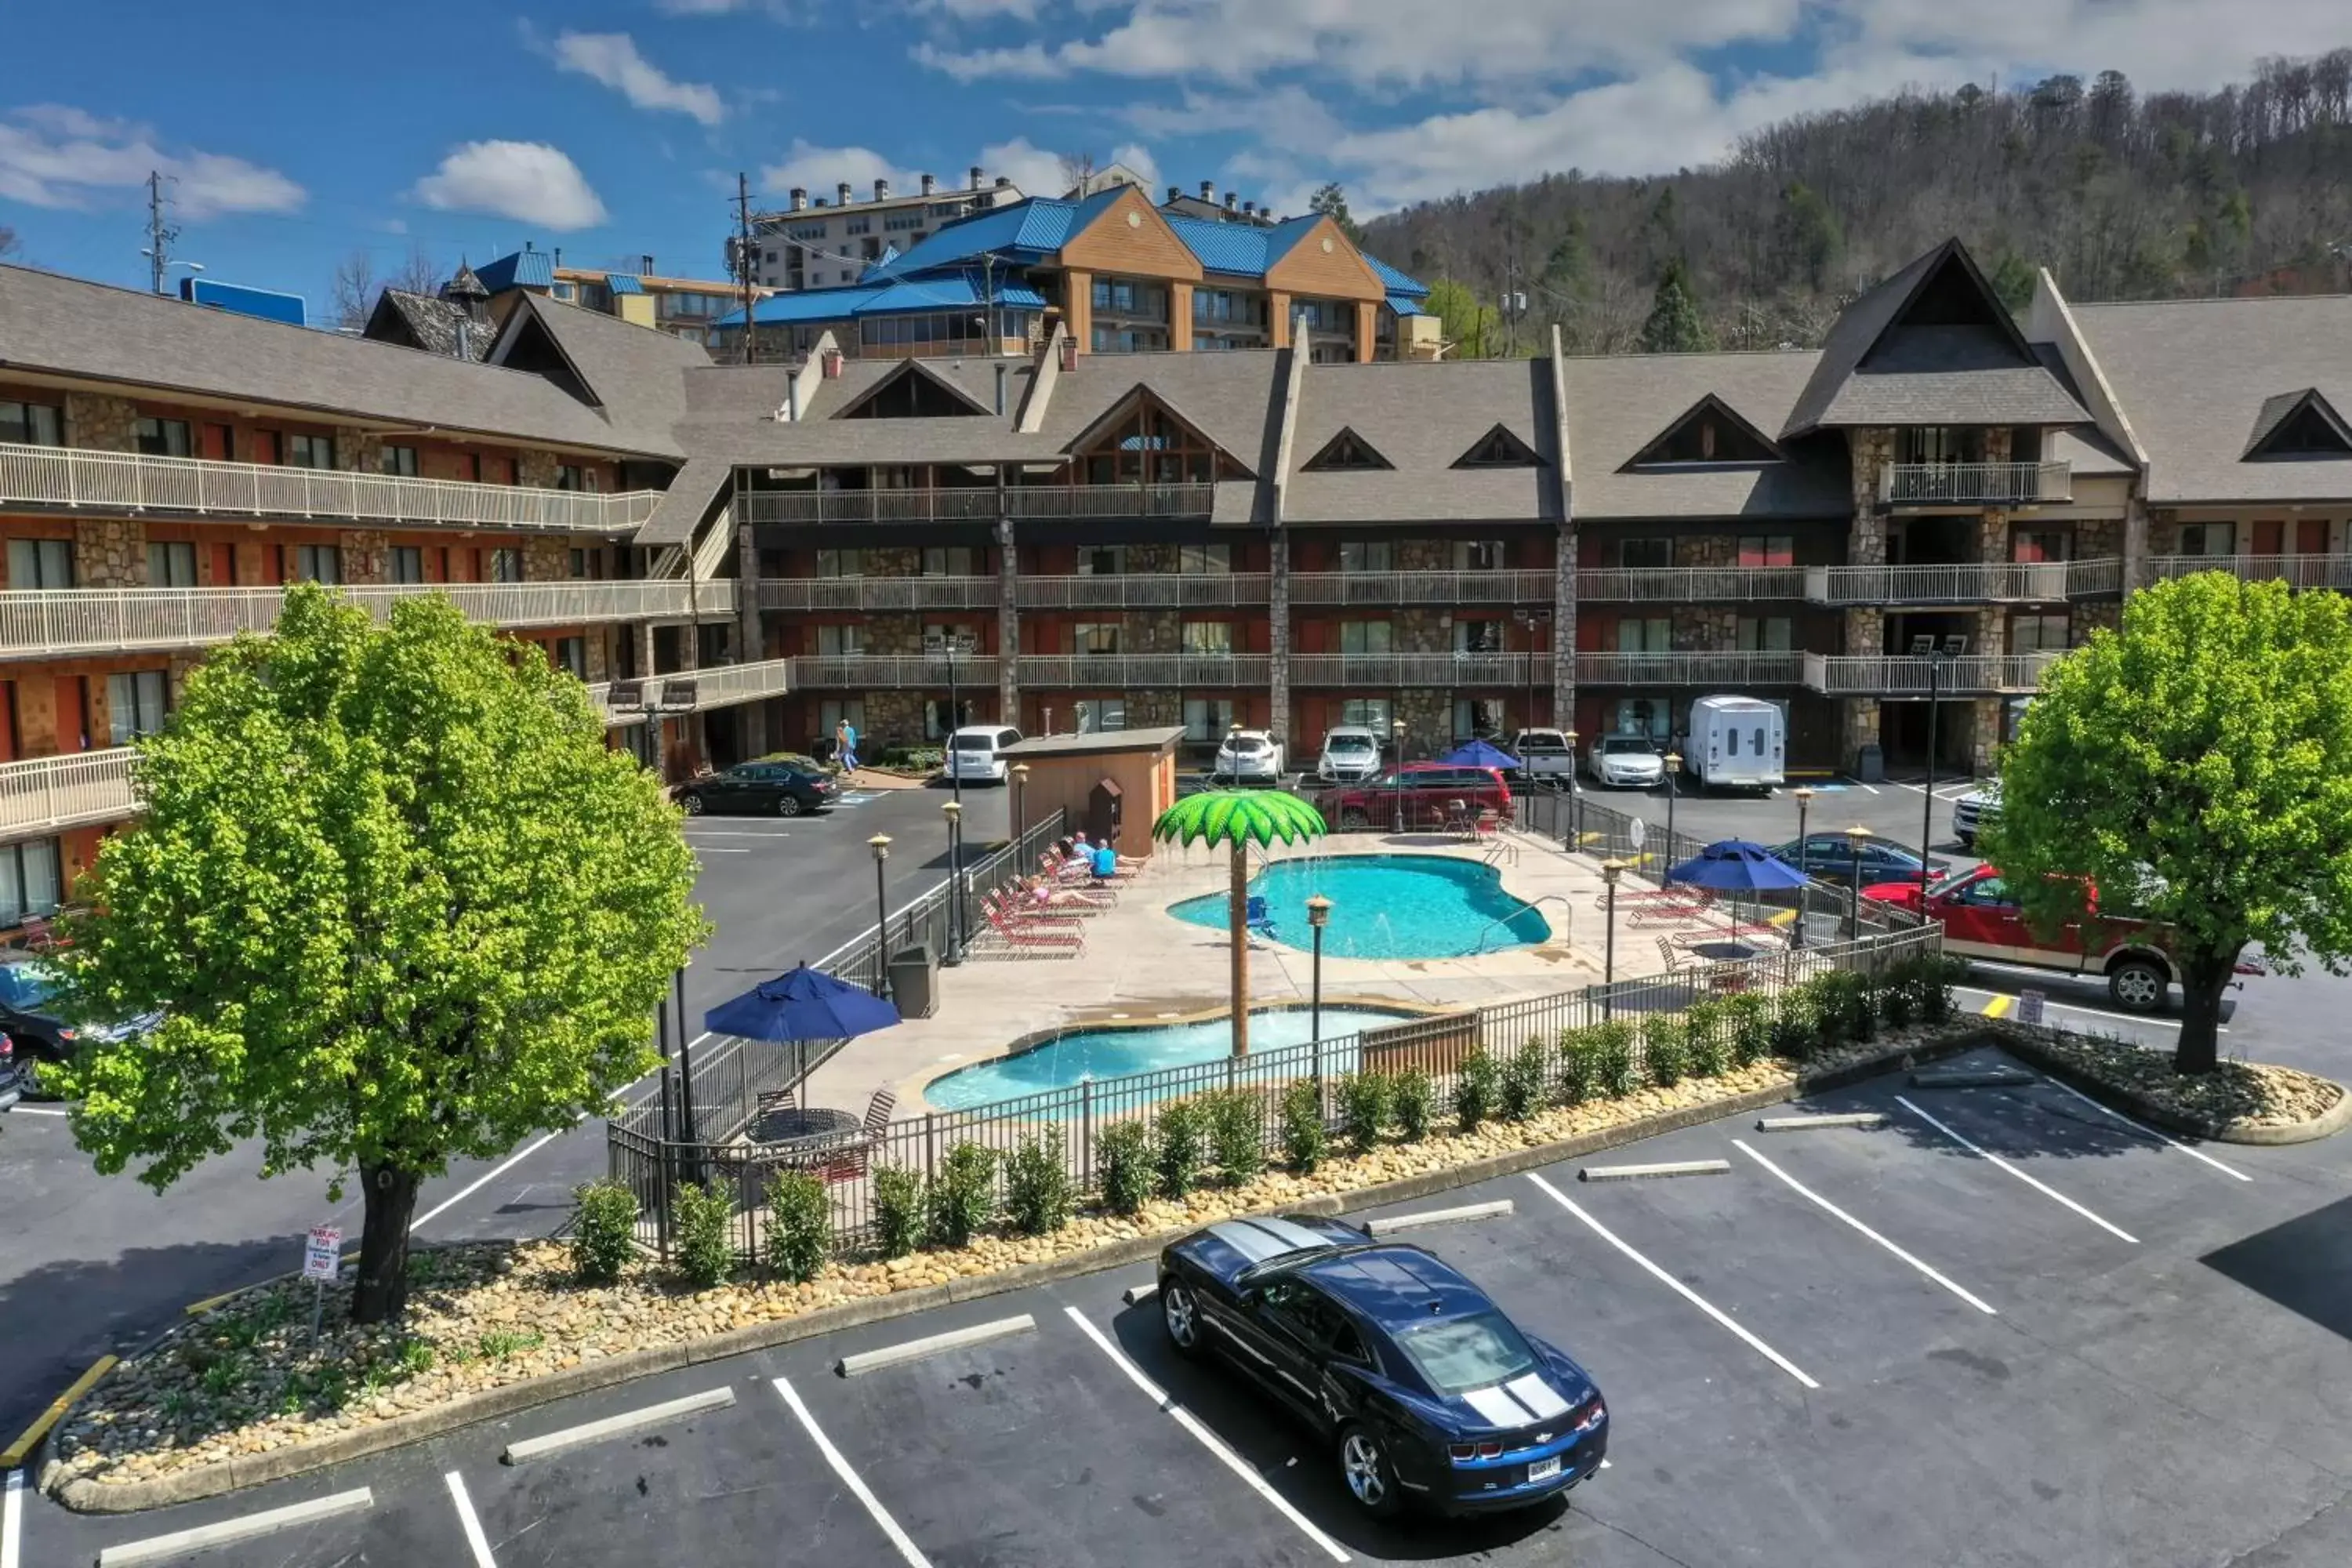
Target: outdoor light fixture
(1019, 807)
(1804, 794)
(1318, 915)
(1611, 869)
(880, 845)
(1673, 761)
(959, 918)
(1855, 838)
(1396, 769)
(1575, 836)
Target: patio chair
(1259, 918)
(1032, 937)
(878, 1110)
(1016, 910)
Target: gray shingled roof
(692, 492)
(1422, 417)
(637, 374)
(1229, 397)
(1618, 405)
(433, 322)
(2192, 375)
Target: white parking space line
(472, 1523)
(1207, 1439)
(1828, 1207)
(2141, 1127)
(1677, 1287)
(12, 1519)
(181, 1544)
(716, 850)
(2043, 1188)
(35, 1111)
(909, 1552)
(478, 1182)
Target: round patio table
(787, 1123)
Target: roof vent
(881, 189)
(1003, 181)
(1232, 197)
(645, 266)
(1175, 194)
(800, 199)
(978, 175)
(931, 185)
(1208, 190)
(840, 192)
(1249, 209)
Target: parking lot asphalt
(2005, 1327)
(92, 1263)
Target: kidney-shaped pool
(1387, 906)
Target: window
(41, 564)
(938, 722)
(1765, 634)
(407, 563)
(311, 451)
(318, 563)
(1499, 448)
(2208, 539)
(1366, 555)
(1768, 550)
(1477, 717)
(1477, 637)
(506, 566)
(1710, 433)
(1645, 553)
(1636, 634)
(1371, 712)
(1481, 555)
(1129, 340)
(587, 562)
(2039, 634)
(170, 566)
(1346, 452)
(31, 425)
(1207, 717)
(1100, 715)
(1124, 297)
(1209, 637)
(163, 437)
(832, 715)
(1988, 890)
(1939, 444)
(858, 226)
(2039, 544)
(948, 561)
(1366, 637)
(771, 257)
(572, 477)
(29, 884)
(841, 641)
(135, 704)
(1095, 637)
(841, 563)
(1102, 560)
(1651, 716)
(400, 460)
(571, 654)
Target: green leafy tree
(1809, 234)
(1332, 200)
(1468, 325)
(2195, 768)
(1674, 325)
(2013, 280)
(398, 903)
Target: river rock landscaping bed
(2237, 1098)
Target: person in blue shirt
(844, 745)
(1106, 861)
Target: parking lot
(2003, 1327)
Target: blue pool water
(1387, 906)
(1113, 1053)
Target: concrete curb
(1654, 1172)
(85, 1495)
(906, 1351)
(1819, 1123)
(2020, 1042)
(1392, 1223)
(569, 1437)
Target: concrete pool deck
(1142, 965)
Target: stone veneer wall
(1428, 718)
(1154, 631)
(1146, 709)
(894, 561)
(1707, 550)
(892, 718)
(367, 555)
(1424, 555)
(1705, 628)
(96, 423)
(110, 552)
(359, 451)
(533, 467)
(898, 634)
(2164, 532)
(546, 559)
(1865, 626)
(1422, 631)
(2098, 536)
(1984, 736)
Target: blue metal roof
(948, 291)
(803, 305)
(1236, 247)
(1024, 230)
(624, 283)
(523, 269)
(1283, 236)
(1409, 305)
(1395, 281)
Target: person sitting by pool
(1105, 863)
(1125, 862)
(1041, 893)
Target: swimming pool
(1101, 1053)
(1387, 906)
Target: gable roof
(424, 322)
(2281, 413)
(912, 369)
(634, 374)
(1422, 416)
(1511, 451)
(1768, 450)
(1346, 442)
(523, 269)
(1891, 361)
(1617, 405)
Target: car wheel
(1967, 841)
(690, 804)
(1364, 1466)
(29, 1077)
(1353, 820)
(1180, 1310)
(2137, 987)
(789, 806)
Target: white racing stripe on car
(1249, 1240)
(1300, 1238)
(1499, 1408)
(1543, 1401)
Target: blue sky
(615, 127)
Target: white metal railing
(38, 622)
(1425, 669)
(1899, 675)
(718, 686)
(877, 672)
(978, 503)
(1970, 484)
(60, 476)
(1204, 590)
(877, 592)
(1376, 589)
(2040, 581)
(1689, 585)
(1735, 668)
(48, 794)
(1142, 669)
(2296, 571)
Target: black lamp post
(1019, 807)
(959, 918)
(1318, 915)
(1928, 805)
(1855, 838)
(1396, 767)
(1804, 794)
(880, 845)
(1611, 871)
(1574, 838)
(1673, 761)
(950, 644)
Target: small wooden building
(1113, 784)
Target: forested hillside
(2122, 196)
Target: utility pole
(160, 235)
(743, 258)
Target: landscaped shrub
(1580, 1065)
(699, 1214)
(798, 1235)
(1037, 1185)
(1847, 1013)
(1416, 1104)
(1796, 1031)
(1366, 1101)
(897, 1210)
(963, 1195)
(1236, 1133)
(1707, 1025)
(1898, 997)
(1932, 984)
(1303, 1138)
(1521, 1090)
(604, 1231)
(1666, 1048)
(1751, 1028)
(1475, 1089)
(1617, 1071)
(1123, 1163)
(1180, 1147)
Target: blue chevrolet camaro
(1426, 1392)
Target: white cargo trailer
(1736, 742)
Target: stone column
(752, 635)
(1563, 628)
(110, 552)
(1869, 450)
(358, 451)
(1008, 621)
(1277, 614)
(2137, 545)
(367, 556)
(96, 423)
(546, 559)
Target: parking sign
(322, 1255)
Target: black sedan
(1829, 858)
(779, 789)
(36, 1033)
(1425, 1390)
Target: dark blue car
(1426, 1392)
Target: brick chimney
(832, 365)
(1069, 355)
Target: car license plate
(1543, 1469)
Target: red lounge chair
(1066, 939)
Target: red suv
(1425, 794)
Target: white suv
(1973, 810)
(1250, 757)
(1352, 753)
(972, 753)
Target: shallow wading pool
(1387, 907)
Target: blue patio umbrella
(805, 1005)
(1479, 754)
(1736, 866)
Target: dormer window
(2299, 425)
(1499, 448)
(1346, 453)
(1707, 433)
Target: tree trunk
(2204, 979)
(1238, 915)
(382, 1294)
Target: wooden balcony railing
(2029, 582)
(1976, 484)
(1897, 675)
(1374, 590)
(1689, 585)
(1763, 668)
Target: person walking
(844, 745)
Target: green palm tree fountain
(1238, 818)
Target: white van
(973, 753)
(1736, 742)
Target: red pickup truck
(1982, 920)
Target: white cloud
(56, 156)
(1035, 171)
(1138, 157)
(817, 170)
(528, 181)
(612, 59)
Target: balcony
(978, 503)
(1689, 585)
(910, 594)
(885, 672)
(1976, 484)
(1203, 589)
(1379, 590)
(1138, 670)
(129, 482)
(2295, 571)
(1435, 671)
(46, 795)
(2023, 581)
(1757, 667)
(1911, 676)
(39, 623)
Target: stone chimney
(931, 185)
(800, 199)
(881, 189)
(841, 191)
